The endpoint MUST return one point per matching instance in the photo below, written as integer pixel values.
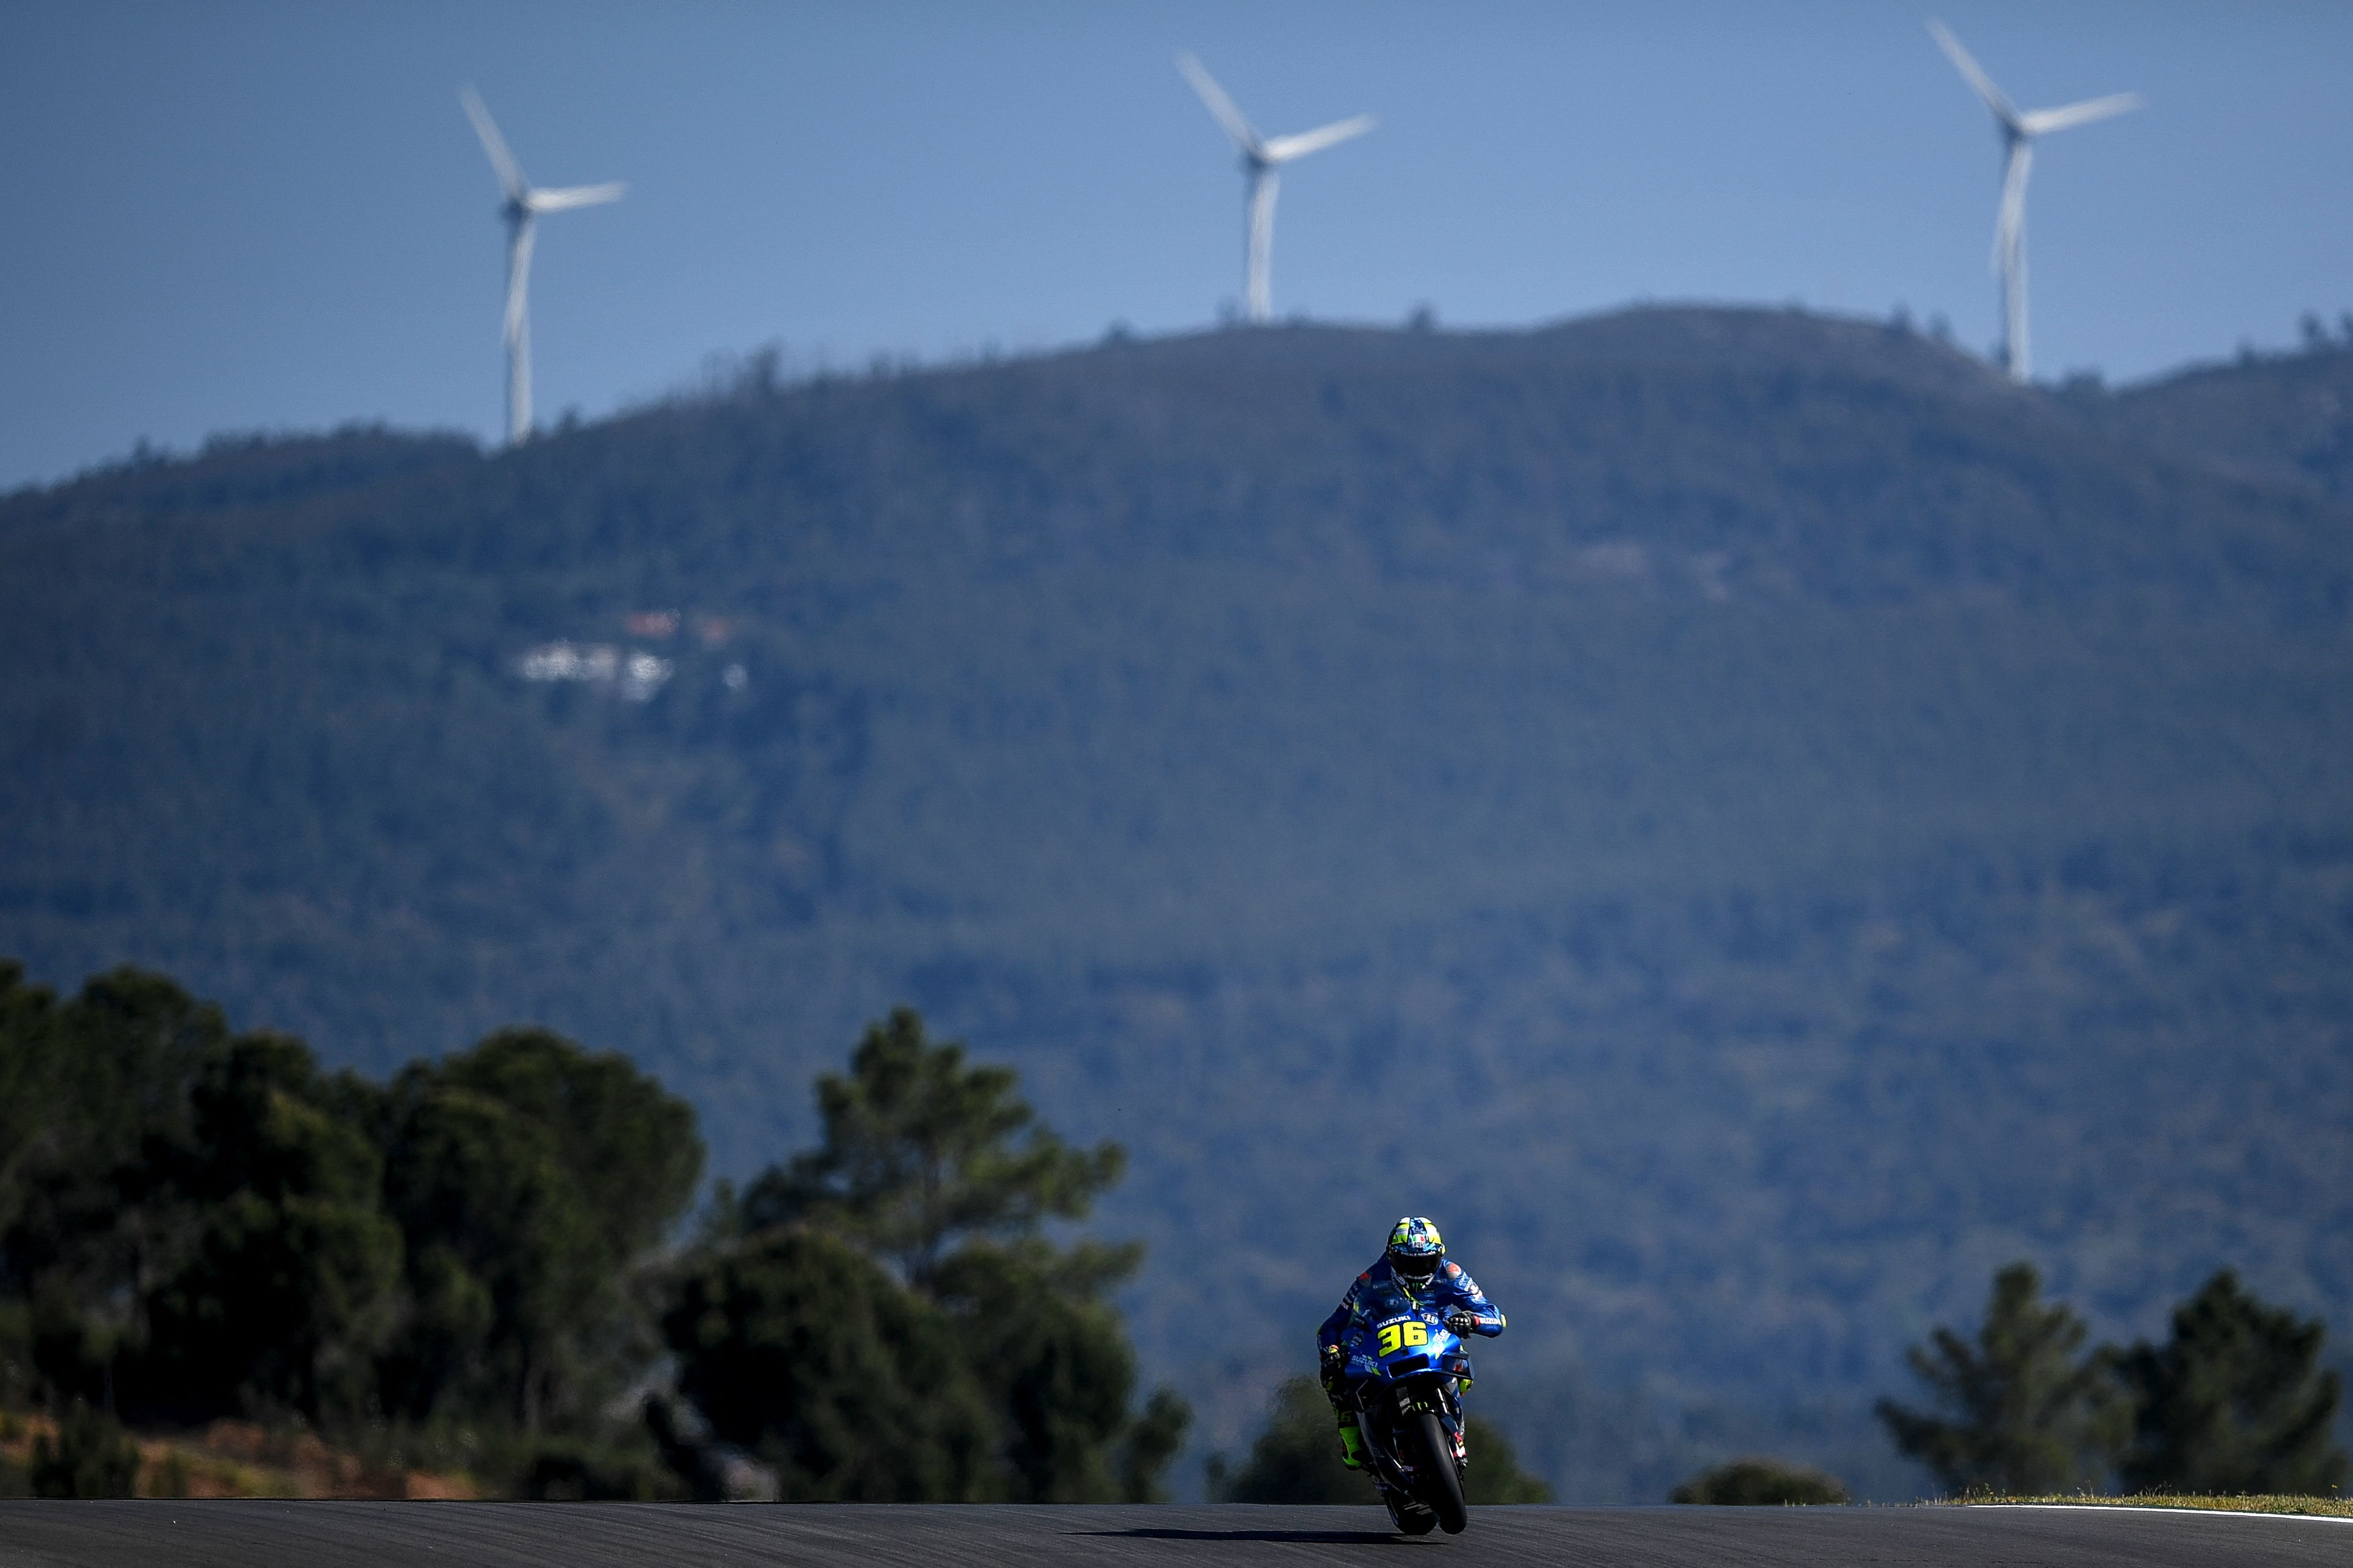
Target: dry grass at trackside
(240, 1459)
(2328, 1507)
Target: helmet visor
(1415, 1268)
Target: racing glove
(1462, 1322)
(1328, 1360)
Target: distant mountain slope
(236, 474)
(2279, 417)
(1751, 819)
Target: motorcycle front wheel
(1442, 1483)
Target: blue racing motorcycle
(1403, 1375)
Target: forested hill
(1749, 818)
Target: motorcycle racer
(1415, 1262)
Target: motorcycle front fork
(1454, 1423)
(1461, 1449)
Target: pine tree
(922, 1150)
(2026, 1414)
(800, 1348)
(935, 1177)
(2235, 1402)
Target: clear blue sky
(244, 215)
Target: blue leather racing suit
(1450, 1289)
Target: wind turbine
(2019, 129)
(521, 211)
(1263, 158)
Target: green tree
(1755, 1483)
(627, 1147)
(530, 1178)
(1151, 1445)
(93, 1214)
(2023, 1413)
(500, 1259)
(2236, 1401)
(193, 1223)
(1054, 1357)
(494, 1255)
(937, 1168)
(799, 1347)
(921, 1150)
(289, 1290)
(192, 1218)
(30, 1111)
(31, 1087)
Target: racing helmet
(1415, 1250)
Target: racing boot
(1351, 1441)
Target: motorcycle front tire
(1442, 1483)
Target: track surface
(586, 1535)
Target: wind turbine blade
(1974, 74)
(510, 172)
(2039, 121)
(574, 196)
(1220, 107)
(1283, 149)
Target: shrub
(1759, 1483)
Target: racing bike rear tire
(1442, 1483)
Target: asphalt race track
(255, 1534)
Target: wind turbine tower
(1262, 160)
(2019, 129)
(521, 211)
